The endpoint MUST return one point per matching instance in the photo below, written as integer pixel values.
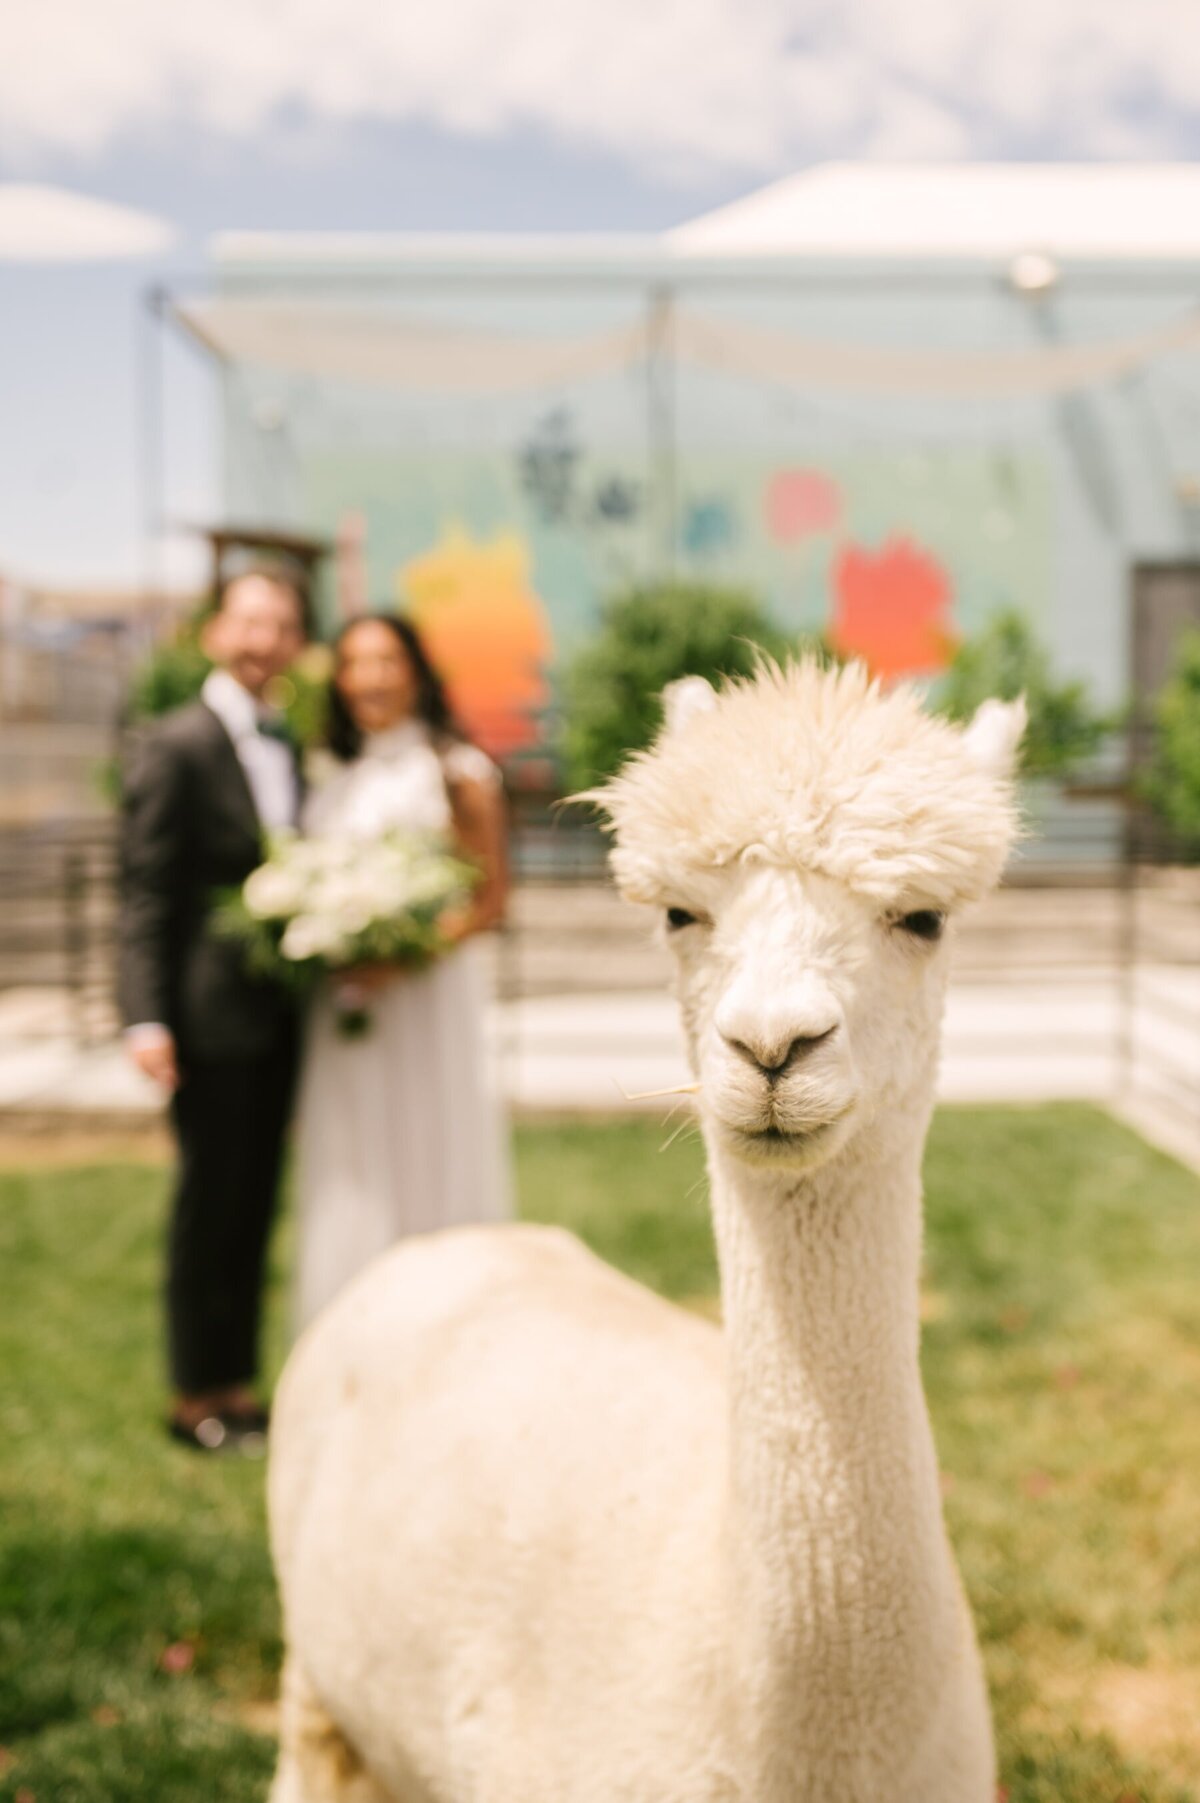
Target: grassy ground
(138, 1634)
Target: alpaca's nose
(775, 1057)
(776, 1028)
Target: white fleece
(544, 1538)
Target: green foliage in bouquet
(1006, 660)
(647, 638)
(1173, 784)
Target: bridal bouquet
(329, 906)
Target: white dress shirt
(269, 765)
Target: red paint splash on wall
(892, 609)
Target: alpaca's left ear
(684, 699)
(994, 735)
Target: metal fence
(1079, 977)
(1159, 1047)
(57, 906)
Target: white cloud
(910, 127)
(52, 225)
(736, 85)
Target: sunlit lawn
(138, 1632)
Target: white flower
(314, 856)
(385, 891)
(437, 881)
(352, 915)
(339, 894)
(336, 895)
(274, 892)
(313, 936)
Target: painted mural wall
(896, 528)
(504, 561)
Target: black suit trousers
(230, 1118)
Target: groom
(205, 785)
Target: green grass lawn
(138, 1630)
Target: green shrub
(1173, 786)
(170, 675)
(1006, 660)
(647, 638)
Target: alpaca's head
(808, 840)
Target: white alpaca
(543, 1538)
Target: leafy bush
(1006, 660)
(647, 638)
(1173, 785)
(170, 675)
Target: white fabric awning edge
(365, 346)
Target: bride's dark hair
(344, 738)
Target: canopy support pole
(661, 423)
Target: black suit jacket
(189, 829)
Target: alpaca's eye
(679, 917)
(926, 923)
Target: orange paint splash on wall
(487, 632)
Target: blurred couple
(397, 1132)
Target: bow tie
(274, 726)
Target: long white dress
(400, 1131)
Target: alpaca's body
(543, 1538)
(506, 1654)
(558, 1598)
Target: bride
(399, 1130)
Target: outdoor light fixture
(1033, 272)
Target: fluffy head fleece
(818, 770)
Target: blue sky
(474, 115)
(70, 499)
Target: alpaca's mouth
(784, 1143)
(794, 1140)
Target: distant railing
(1088, 959)
(1160, 976)
(57, 905)
(74, 686)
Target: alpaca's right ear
(683, 700)
(994, 735)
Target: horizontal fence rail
(1080, 976)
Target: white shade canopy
(42, 224)
(359, 343)
(277, 310)
(819, 365)
(366, 345)
(1090, 210)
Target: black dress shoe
(241, 1431)
(251, 1420)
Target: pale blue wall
(1043, 503)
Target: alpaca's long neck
(844, 1595)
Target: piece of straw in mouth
(652, 1095)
